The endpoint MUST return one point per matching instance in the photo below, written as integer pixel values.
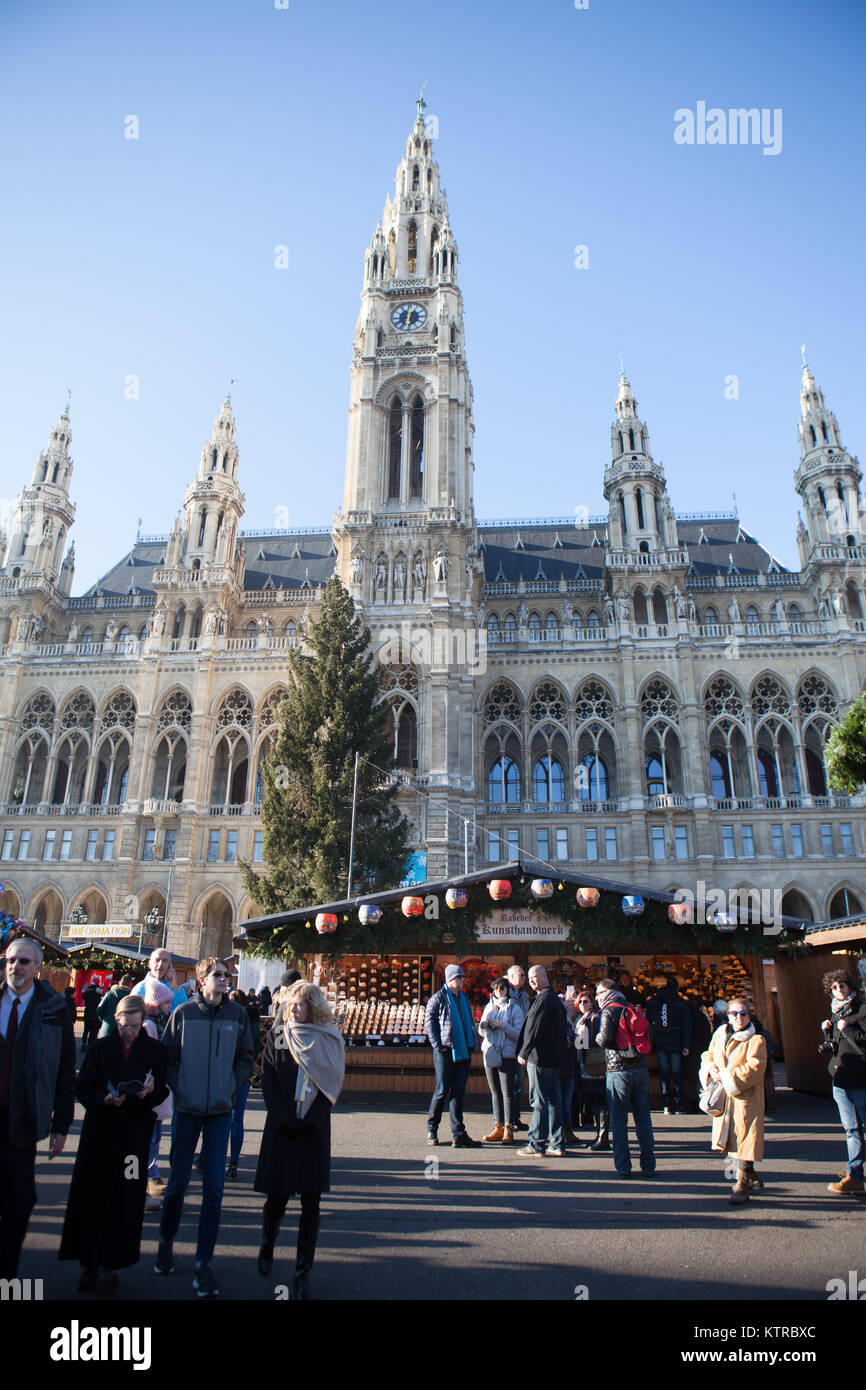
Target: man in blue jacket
(450, 1028)
(210, 1055)
(671, 1021)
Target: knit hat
(155, 992)
(453, 972)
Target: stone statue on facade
(440, 566)
(622, 608)
(418, 573)
(210, 622)
(159, 622)
(840, 607)
(72, 635)
(399, 576)
(357, 568)
(734, 615)
(381, 575)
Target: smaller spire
(65, 415)
(421, 104)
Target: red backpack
(633, 1035)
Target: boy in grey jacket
(210, 1054)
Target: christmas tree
(332, 711)
(845, 751)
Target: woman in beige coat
(737, 1056)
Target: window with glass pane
(748, 842)
(92, 838)
(503, 782)
(213, 846)
(610, 842)
(492, 847)
(169, 844)
(681, 842)
(658, 842)
(231, 846)
(258, 841)
(827, 840)
(797, 849)
(778, 834)
(847, 837)
(655, 777)
(548, 783)
(542, 841)
(591, 843)
(66, 845)
(108, 845)
(720, 776)
(48, 844)
(513, 842)
(8, 837)
(24, 844)
(149, 840)
(592, 779)
(561, 842)
(728, 850)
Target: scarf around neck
(743, 1034)
(461, 1025)
(320, 1054)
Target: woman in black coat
(302, 1074)
(105, 1209)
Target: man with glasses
(845, 1033)
(519, 995)
(37, 1085)
(210, 1055)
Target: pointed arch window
(416, 462)
(412, 261)
(503, 782)
(638, 497)
(416, 179)
(395, 445)
(213, 461)
(201, 526)
(622, 521)
(548, 781)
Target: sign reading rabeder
(510, 924)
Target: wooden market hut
(839, 944)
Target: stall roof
(837, 930)
(261, 926)
(44, 941)
(128, 952)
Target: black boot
(602, 1138)
(270, 1231)
(308, 1234)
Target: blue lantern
(632, 905)
(541, 888)
(724, 921)
(369, 914)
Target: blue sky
(259, 127)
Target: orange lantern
(412, 907)
(499, 889)
(587, 897)
(679, 913)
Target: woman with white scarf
(302, 1076)
(737, 1057)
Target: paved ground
(407, 1222)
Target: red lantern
(499, 889)
(326, 922)
(412, 907)
(679, 913)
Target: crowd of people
(585, 1055)
(158, 1055)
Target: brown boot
(495, 1134)
(742, 1188)
(508, 1136)
(846, 1187)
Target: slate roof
(535, 550)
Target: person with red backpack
(625, 1035)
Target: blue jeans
(852, 1113)
(630, 1091)
(153, 1155)
(566, 1096)
(237, 1133)
(214, 1130)
(451, 1079)
(671, 1067)
(546, 1123)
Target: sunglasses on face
(219, 975)
(738, 1013)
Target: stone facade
(644, 693)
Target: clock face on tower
(407, 316)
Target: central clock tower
(406, 538)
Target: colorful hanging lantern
(587, 897)
(499, 889)
(369, 914)
(679, 913)
(412, 907)
(456, 898)
(724, 921)
(632, 905)
(326, 922)
(541, 888)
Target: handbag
(713, 1099)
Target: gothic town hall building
(651, 704)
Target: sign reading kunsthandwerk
(512, 924)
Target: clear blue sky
(258, 127)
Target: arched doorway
(48, 914)
(214, 927)
(795, 904)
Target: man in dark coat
(37, 1081)
(627, 1079)
(105, 1209)
(450, 1030)
(543, 1049)
(91, 998)
(671, 1022)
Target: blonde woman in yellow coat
(737, 1056)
